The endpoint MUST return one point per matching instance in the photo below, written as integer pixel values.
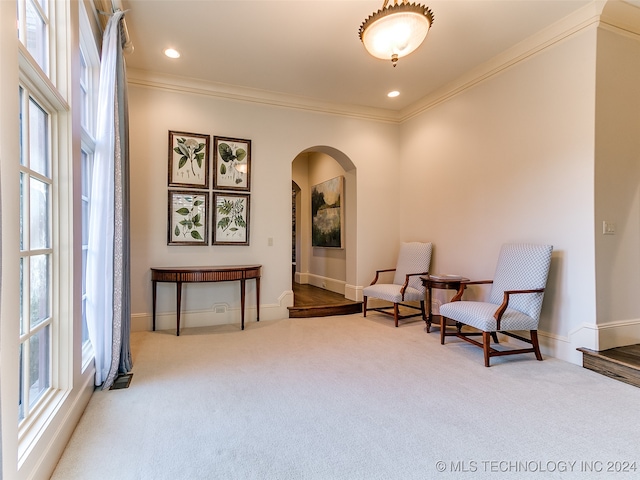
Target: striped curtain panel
(108, 256)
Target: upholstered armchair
(514, 302)
(413, 261)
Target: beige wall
(327, 263)
(543, 151)
(278, 135)
(617, 187)
(300, 175)
(511, 160)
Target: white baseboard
(218, 314)
(353, 292)
(592, 336)
(619, 334)
(331, 284)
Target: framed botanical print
(188, 218)
(232, 164)
(188, 160)
(230, 219)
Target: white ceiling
(310, 48)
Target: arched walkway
(333, 269)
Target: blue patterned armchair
(413, 261)
(514, 302)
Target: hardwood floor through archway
(310, 301)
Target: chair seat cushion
(480, 315)
(391, 293)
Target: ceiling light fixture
(393, 94)
(395, 30)
(171, 53)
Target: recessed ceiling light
(171, 53)
(393, 94)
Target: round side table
(443, 282)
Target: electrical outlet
(608, 228)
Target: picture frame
(188, 218)
(327, 213)
(231, 218)
(188, 160)
(232, 164)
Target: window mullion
(26, 381)
(22, 21)
(43, 15)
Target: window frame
(43, 9)
(27, 252)
(89, 85)
(50, 90)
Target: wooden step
(325, 310)
(310, 301)
(620, 363)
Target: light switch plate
(608, 228)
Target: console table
(180, 275)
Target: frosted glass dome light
(396, 30)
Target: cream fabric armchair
(514, 302)
(413, 261)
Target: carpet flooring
(348, 397)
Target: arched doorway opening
(333, 269)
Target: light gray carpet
(349, 398)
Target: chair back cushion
(414, 257)
(522, 267)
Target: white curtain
(107, 277)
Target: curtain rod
(116, 5)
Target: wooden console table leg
(430, 316)
(242, 290)
(257, 299)
(153, 294)
(178, 300)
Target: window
(43, 264)
(89, 76)
(47, 380)
(87, 167)
(36, 253)
(33, 30)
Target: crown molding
(242, 94)
(623, 16)
(620, 15)
(578, 21)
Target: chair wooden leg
(536, 344)
(494, 335)
(486, 345)
(364, 306)
(443, 326)
(396, 313)
(424, 315)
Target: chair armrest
(458, 296)
(406, 281)
(505, 302)
(378, 272)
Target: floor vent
(122, 381)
